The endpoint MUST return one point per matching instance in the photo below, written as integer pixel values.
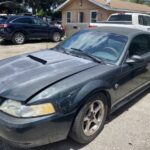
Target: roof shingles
(124, 5)
(115, 5)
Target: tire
(79, 131)
(18, 38)
(56, 37)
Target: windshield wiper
(94, 58)
(66, 51)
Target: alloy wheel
(56, 37)
(19, 38)
(93, 118)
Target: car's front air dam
(36, 131)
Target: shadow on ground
(127, 106)
(71, 145)
(9, 43)
(63, 145)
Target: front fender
(92, 86)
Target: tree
(34, 4)
(45, 5)
(10, 7)
(39, 7)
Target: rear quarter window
(144, 20)
(120, 18)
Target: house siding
(87, 7)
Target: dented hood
(25, 75)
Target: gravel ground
(126, 129)
(8, 50)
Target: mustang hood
(25, 75)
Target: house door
(81, 17)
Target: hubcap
(56, 37)
(93, 118)
(19, 38)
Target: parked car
(57, 24)
(18, 29)
(70, 90)
(130, 20)
(2, 19)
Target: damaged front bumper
(33, 132)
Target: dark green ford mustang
(69, 90)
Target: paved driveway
(127, 129)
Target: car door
(32, 28)
(134, 75)
(24, 24)
(41, 28)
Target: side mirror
(134, 59)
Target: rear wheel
(56, 37)
(18, 38)
(90, 120)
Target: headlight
(16, 109)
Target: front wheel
(18, 38)
(56, 37)
(90, 120)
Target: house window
(69, 17)
(81, 17)
(94, 16)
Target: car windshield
(105, 46)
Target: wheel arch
(54, 30)
(96, 86)
(24, 32)
(98, 89)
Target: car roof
(125, 31)
(17, 16)
(10, 18)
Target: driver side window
(140, 45)
(38, 21)
(42, 23)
